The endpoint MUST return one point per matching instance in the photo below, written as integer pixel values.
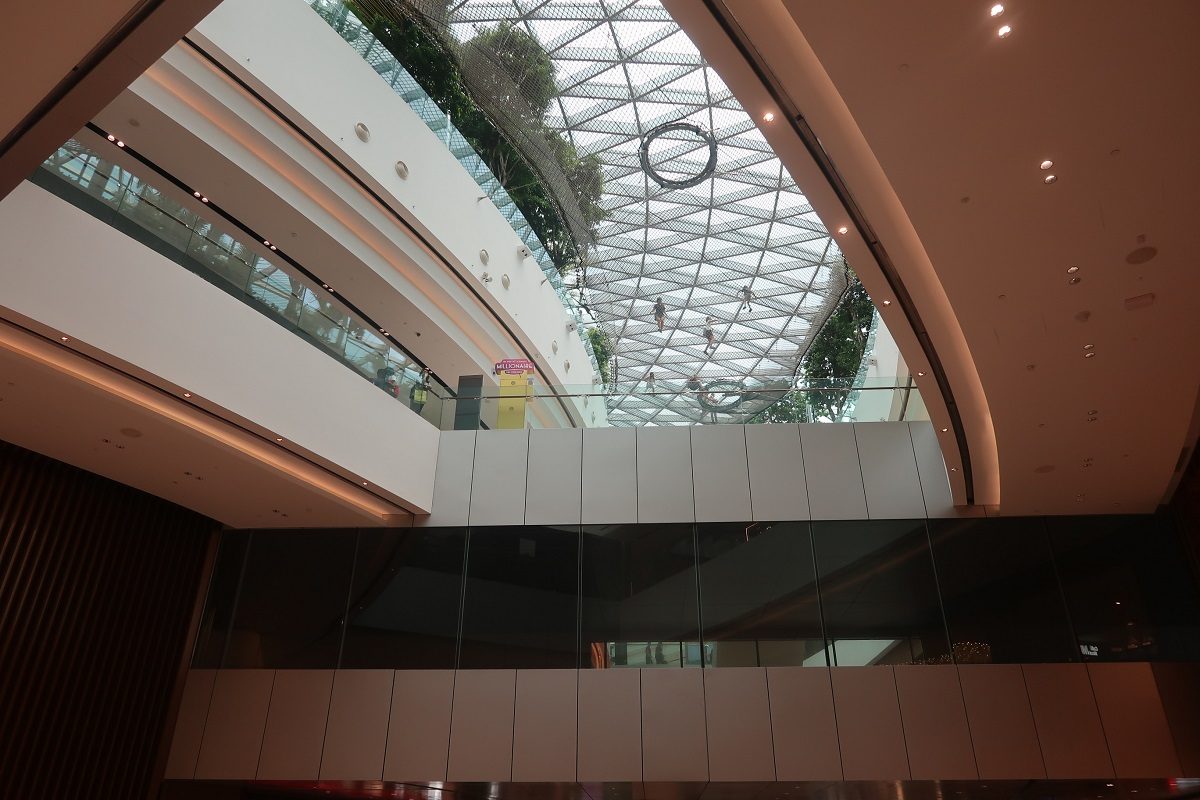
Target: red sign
(514, 366)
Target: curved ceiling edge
(750, 53)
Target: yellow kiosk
(516, 387)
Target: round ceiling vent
(1141, 255)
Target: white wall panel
(452, 480)
(664, 475)
(554, 487)
(832, 472)
(778, 490)
(720, 473)
(610, 484)
(935, 484)
(498, 479)
(889, 471)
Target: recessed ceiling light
(843, 230)
(1047, 164)
(920, 374)
(112, 138)
(279, 438)
(1089, 355)
(120, 143)
(954, 469)
(1074, 280)
(65, 338)
(1049, 179)
(203, 199)
(945, 429)
(1089, 346)
(195, 194)
(268, 244)
(1004, 31)
(1072, 270)
(187, 394)
(997, 10)
(364, 483)
(887, 302)
(769, 116)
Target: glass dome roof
(624, 69)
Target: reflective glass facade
(837, 593)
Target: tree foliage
(831, 365)
(519, 64)
(603, 349)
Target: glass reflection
(878, 593)
(292, 600)
(999, 590)
(521, 598)
(758, 594)
(1128, 589)
(405, 599)
(639, 597)
(219, 605)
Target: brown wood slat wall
(98, 583)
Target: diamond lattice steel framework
(623, 68)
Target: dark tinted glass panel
(1129, 592)
(218, 606)
(639, 596)
(878, 593)
(521, 598)
(292, 600)
(999, 590)
(758, 594)
(405, 598)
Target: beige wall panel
(358, 725)
(1068, 723)
(1179, 687)
(554, 487)
(832, 471)
(498, 478)
(719, 473)
(674, 744)
(1135, 725)
(545, 725)
(481, 725)
(889, 471)
(189, 723)
(935, 723)
(452, 479)
(738, 716)
(295, 733)
(775, 460)
(610, 481)
(610, 725)
(1002, 727)
(803, 725)
(664, 474)
(237, 716)
(868, 723)
(419, 730)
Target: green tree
(511, 68)
(832, 362)
(603, 349)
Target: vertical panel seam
(837, 728)
(863, 480)
(1033, 716)
(471, 479)
(917, 463)
(900, 711)
(266, 718)
(387, 729)
(749, 485)
(967, 718)
(512, 741)
(766, 673)
(1100, 716)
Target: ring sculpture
(730, 391)
(667, 183)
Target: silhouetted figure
(747, 296)
(660, 312)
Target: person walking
(651, 382)
(660, 312)
(710, 335)
(747, 296)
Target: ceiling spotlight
(279, 438)
(268, 244)
(945, 429)
(1074, 280)
(195, 194)
(954, 469)
(887, 302)
(112, 138)
(843, 230)
(769, 116)
(273, 247)
(920, 374)
(1047, 164)
(1072, 270)
(997, 10)
(1089, 347)
(1090, 355)
(203, 199)
(1004, 31)
(1049, 179)
(187, 394)
(120, 143)
(364, 483)
(65, 338)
